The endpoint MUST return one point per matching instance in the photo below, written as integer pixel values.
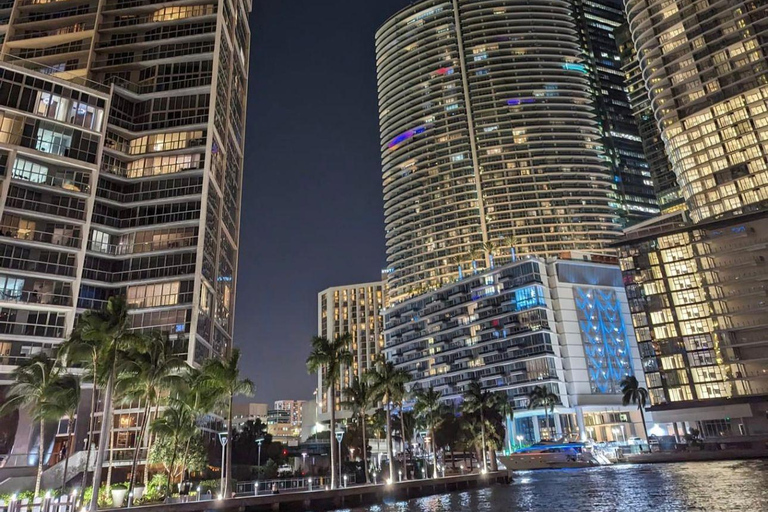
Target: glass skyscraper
(489, 134)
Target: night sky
(312, 206)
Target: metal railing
(288, 485)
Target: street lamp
(223, 437)
(258, 442)
(304, 460)
(339, 438)
(520, 441)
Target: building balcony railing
(40, 267)
(35, 297)
(66, 184)
(46, 208)
(141, 248)
(40, 236)
(24, 329)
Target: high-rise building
(696, 293)
(621, 139)
(695, 285)
(488, 131)
(706, 67)
(354, 309)
(122, 144)
(665, 185)
(562, 324)
(251, 411)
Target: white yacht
(549, 455)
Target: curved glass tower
(488, 136)
(706, 70)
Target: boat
(549, 455)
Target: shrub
(105, 497)
(118, 487)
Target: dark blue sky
(312, 206)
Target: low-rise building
(562, 324)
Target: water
(705, 486)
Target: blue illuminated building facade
(555, 323)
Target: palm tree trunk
(228, 477)
(91, 425)
(402, 435)
(69, 452)
(332, 404)
(645, 427)
(111, 455)
(389, 440)
(365, 449)
(482, 434)
(106, 422)
(40, 456)
(150, 440)
(137, 443)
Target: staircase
(23, 478)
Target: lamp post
(223, 437)
(339, 438)
(304, 460)
(520, 441)
(258, 442)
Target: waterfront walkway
(345, 497)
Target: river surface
(706, 486)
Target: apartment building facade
(561, 324)
(354, 309)
(122, 143)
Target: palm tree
(507, 410)
(429, 410)
(177, 425)
(387, 383)
(475, 253)
(399, 401)
(510, 241)
(456, 261)
(359, 400)
(477, 401)
(37, 386)
(67, 400)
(109, 331)
(490, 248)
(330, 356)
(541, 396)
(222, 377)
(78, 351)
(476, 429)
(632, 392)
(191, 392)
(150, 368)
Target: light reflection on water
(703, 486)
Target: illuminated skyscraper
(488, 132)
(706, 67)
(121, 142)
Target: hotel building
(473, 99)
(354, 309)
(563, 324)
(121, 144)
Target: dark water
(705, 486)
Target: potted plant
(119, 491)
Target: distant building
(354, 309)
(294, 407)
(281, 427)
(252, 411)
(562, 324)
(697, 295)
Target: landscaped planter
(118, 497)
